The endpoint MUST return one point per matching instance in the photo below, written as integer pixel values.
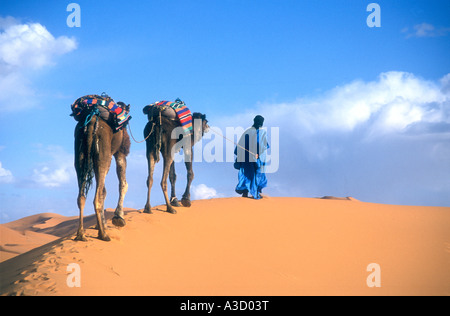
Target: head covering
(258, 121)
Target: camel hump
(154, 109)
(116, 114)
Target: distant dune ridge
(25, 234)
(235, 246)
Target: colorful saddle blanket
(83, 106)
(182, 111)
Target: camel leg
(167, 163)
(81, 202)
(121, 166)
(102, 202)
(173, 180)
(151, 168)
(186, 200)
(98, 205)
(100, 195)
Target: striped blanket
(89, 102)
(182, 111)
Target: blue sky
(362, 112)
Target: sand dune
(25, 234)
(237, 246)
(14, 243)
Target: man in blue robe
(251, 160)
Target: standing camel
(159, 138)
(95, 144)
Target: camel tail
(87, 165)
(152, 134)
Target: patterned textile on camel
(171, 110)
(116, 114)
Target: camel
(95, 144)
(158, 133)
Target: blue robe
(252, 178)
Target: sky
(351, 110)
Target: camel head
(124, 106)
(204, 126)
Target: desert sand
(236, 247)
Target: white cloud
(202, 192)
(7, 22)
(426, 30)
(31, 46)
(51, 178)
(445, 84)
(57, 171)
(6, 176)
(25, 48)
(392, 103)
